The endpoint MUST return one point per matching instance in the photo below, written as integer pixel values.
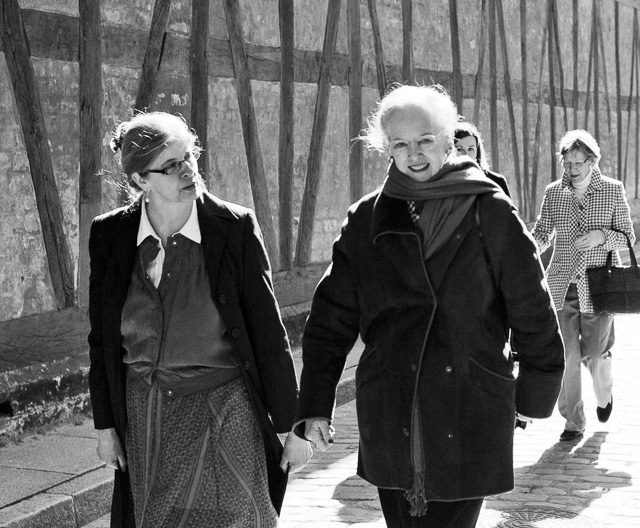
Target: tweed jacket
(241, 287)
(434, 333)
(564, 217)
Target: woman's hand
(297, 453)
(319, 432)
(589, 240)
(110, 449)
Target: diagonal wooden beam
(377, 47)
(621, 176)
(525, 203)
(25, 90)
(533, 195)
(316, 147)
(552, 95)
(455, 55)
(493, 88)
(259, 189)
(90, 113)
(285, 140)
(480, 71)
(506, 70)
(408, 68)
(356, 177)
(199, 67)
(153, 54)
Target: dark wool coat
(241, 287)
(434, 330)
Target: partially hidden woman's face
(577, 165)
(180, 184)
(416, 141)
(467, 146)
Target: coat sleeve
(544, 230)
(620, 223)
(532, 318)
(266, 331)
(99, 252)
(330, 333)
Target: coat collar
(390, 215)
(595, 185)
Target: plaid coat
(562, 216)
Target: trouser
(456, 514)
(588, 339)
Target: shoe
(570, 435)
(604, 412)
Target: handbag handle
(632, 256)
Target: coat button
(247, 365)
(413, 367)
(235, 332)
(169, 275)
(405, 431)
(174, 243)
(449, 436)
(223, 298)
(169, 393)
(449, 370)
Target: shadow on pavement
(559, 487)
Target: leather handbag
(614, 289)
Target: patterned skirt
(197, 460)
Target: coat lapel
(214, 230)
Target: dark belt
(176, 389)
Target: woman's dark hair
(466, 129)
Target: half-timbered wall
(277, 90)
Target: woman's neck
(168, 219)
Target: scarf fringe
(416, 496)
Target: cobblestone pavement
(590, 482)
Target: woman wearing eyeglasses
(430, 270)
(586, 215)
(191, 373)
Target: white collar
(191, 229)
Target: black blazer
(242, 290)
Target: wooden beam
(637, 99)
(356, 178)
(533, 195)
(553, 175)
(480, 71)
(575, 45)
(199, 66)
(596, 69)
(153, 54)
(285, 140)
(604, 68)
(259, 189)
(316, 147)
(456, 83)
(558, 55)
(408, 73)
(620, 175)
(634, 50)
(493, 84)
(525, 203)
(25, 90)
(506, 70)
(90, 114)
(377, 47)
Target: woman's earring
(146, 196)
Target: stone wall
(25, 286)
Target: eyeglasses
(576, 164)
(176, 166)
